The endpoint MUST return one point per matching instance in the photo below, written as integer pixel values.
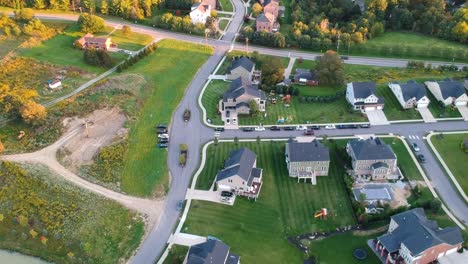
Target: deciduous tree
(32, 112)
(330, 69)
(91, 23)
(272, 71)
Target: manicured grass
(226, 5)
(222, 24)
(227, 62)
(439, 111)
(176, 254)
(326, 249)
(449, 147)
(258, 231)
(168, 71)
(405, 162)
(320, 90)
(59, 50)
(134, 41)
(213, 93)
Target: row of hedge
(135, 58)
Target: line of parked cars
(163, 136)
(308, 130)
(419, 156)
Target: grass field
(222, 24)
(168, 70)
(134, 41)
(226, 5)
(449, 147)
(258, 230)
(405, 162)
(214, 91)
(7, 45)
(227, 62)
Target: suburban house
(243, 67)
(237, 99)
(240, 174)
(271, 7)
(200, 12)
(363, 96)
(90, 41)
(372, 159)
(211, 252)
(448, 91)
(307, 160)
(54, 84)
(413, 239)
(410, 94)
(266, 22)
(305, 77)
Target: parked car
(415, 147)
(248, 129)
(162, 145)
(330, 127)
(301, 128)
(219, 129)
(344, 57)
(180, 204)
(289, 128)
(314, 127)
(421, 158)
(161, 131)
(163, 136)
(163, 140)
(364, 126)
(275, 128)
(346, 126)
(187, 115)
(309, 132)
(226, 194)
(259, 128)
(161, 126)
(127, 52)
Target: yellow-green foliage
(109, 163)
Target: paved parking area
(211, 196)
(377, 117)
(426, 115)
(463, 109)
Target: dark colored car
(187, 115)
(248, 129)
(275, 128)
(421, 158)
(219, 129)
(346, 126)
(314, 127)
(289, 128)
(309, 133)
(180, 204)
(163, 140)
(161, 126)
(161, 131)
(226, 194)
(344, 57)
(162, 145)
(364, 126)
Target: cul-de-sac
(234, 131)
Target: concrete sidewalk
(287, 71)
(463, 109)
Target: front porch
(307, 175)
(383, 254)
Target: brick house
(413, 239)
(90, 41)
(211, 251)
(271, 7)
(266, 22)
(240, 174)
(372, 159)
(307, 160)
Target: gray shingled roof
(243, 62)
(240, 162)
(364, 89)
(239, 87)
(451, 89)
(304, 74)
(371, 149)
(307, 151)
(418, 233)
(209, 252)
(412, 89)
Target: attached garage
(370, 108)
(460, 103)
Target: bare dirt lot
(104, 126)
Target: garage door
(422, 105)
(380, 107)
(370, 108)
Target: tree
(256, 9)
(377, 30)
(32, 112)
(104, 7)
(214, 13)
(330, 69)
(126, 30)
(272, 71)
(253, 108)
(90, 23)
(98, 58)
(24, 14)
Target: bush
(98, 58)
(90, 23)
(126, 30)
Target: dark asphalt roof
(451, 89)
(209, 252)
(304, 74)
(364, 89)
(239, 87)
(412, 89)
(243, 62)
(307, 151)
(371, 149)
(240, 162)
(418, 233)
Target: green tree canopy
(330, 69)
(91, 23)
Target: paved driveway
(187, 239)
(377, 117)
(463, 109)
(426, 115)
(211, 196)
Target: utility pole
(338, 42)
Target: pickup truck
(187, 115)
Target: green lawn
(7, 45)
(227, 62)
(134, 41)
(222, 24)
(258, 231)
(326, 249)
(449, 147)
(226, 5)
(439, 111)
(59, 50)
(405, 162)
(176, 254)
(213, 93)
(168, 71)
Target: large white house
(363, 96)
(448, 92)
(200, 12)
(411, 94)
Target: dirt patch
(370, 231)
(104, 126)
(400, 196)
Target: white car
(301, 128)
(128, 52)
(259, 128)
(163, 136)
(330, 127)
